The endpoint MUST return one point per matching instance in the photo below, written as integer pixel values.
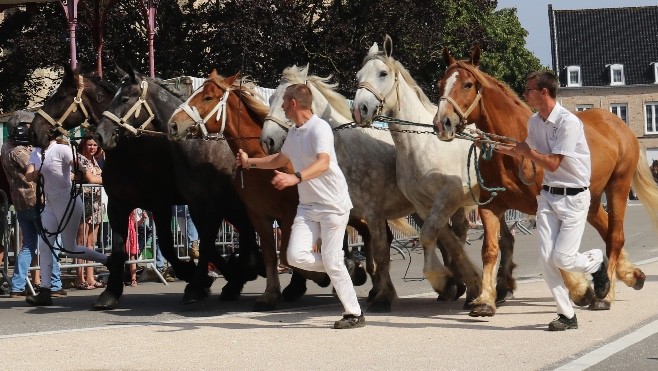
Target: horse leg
(118, 217)
(485, 304)
(506, 284)
(270, 298)
(249, 262)
(198, 287)
(383, 292)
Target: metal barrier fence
(227, 238)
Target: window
(620, 110)
(583, 107)
(617, 74)
(654, 66)
(651, 111)
(573, 76)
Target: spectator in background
(93, 209)
(188, 231)
(15, 158)
(144, 233)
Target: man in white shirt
(324, 201)
(556, 141)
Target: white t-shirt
(327, 192)
(562, 133)
(56, 169)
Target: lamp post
(149, 11)
(71, 11)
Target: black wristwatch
(299, 176)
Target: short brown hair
(301, 93)
(545, 79)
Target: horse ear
(374, 49)
(475, 55)
(388, 46)
(120, 71)
(213, 73)
(303, 73)
(68, 72)
(231, 79)
(447, 57)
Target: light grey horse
(430, 173)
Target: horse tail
(402, 225)
(646, 188)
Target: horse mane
(398, 67)
(104, 84)
(337, 101)
(487, 81)
(248, 95)
(161, 83)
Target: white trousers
(560, 225)
(309, 225)
(51, 216)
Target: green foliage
(262, 37)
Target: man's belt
(563, 191)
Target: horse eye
(207, 98)
(124, 98)
(468, 85)
(383, 74)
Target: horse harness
(73, 107)
(382, 98)
(136, 109)
(463, 116)
(200, 123)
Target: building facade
(608, 58)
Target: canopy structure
(102, 7)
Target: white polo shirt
(327, 192)
(562, 133)
(56, 169)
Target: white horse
(367, 158)
(430, 173)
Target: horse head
(77, 101)
(140, 106)
(327, 104)
(378, 83)
(460, 91)
(225, 106)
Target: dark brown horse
(654, 170)
(467, 95)
(231, 109)
(134, 176)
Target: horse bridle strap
(286, 125)
(463, 116)
(382, 99)
(73, 107)
(220, 108)
(136, 109)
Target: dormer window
(573, 76)
(617, 74)
(654, 66)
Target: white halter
(201, 122)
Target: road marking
(594, 357)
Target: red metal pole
(71, 11)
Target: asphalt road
(151, 329)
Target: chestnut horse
(617, 161)
(233, 110)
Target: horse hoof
(293, 293)
(230, 292)
(586, 299)
(640, 277)
(469, 304)
(262, 306)
(502, 295)
(451, 291)
(193, 295)
(482, 310)
(380, 307)
(106, 301)
(461, 289)
(599, 304)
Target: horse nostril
(364, 110)
(173, 128)
(447, 124)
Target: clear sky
(533, 15)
